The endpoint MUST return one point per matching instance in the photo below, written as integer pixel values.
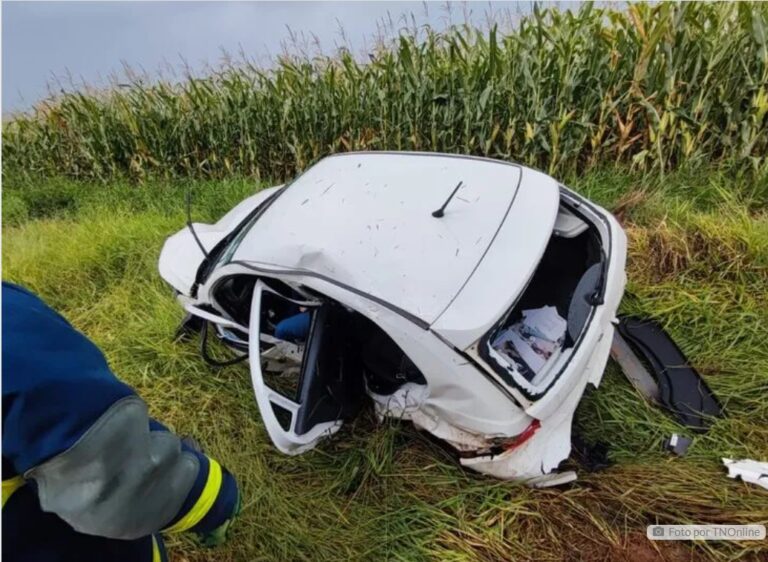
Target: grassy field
(658, 112)
(698, 261)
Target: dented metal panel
(507, 265)
(384, 238)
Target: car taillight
(521, 438)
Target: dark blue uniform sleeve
(67, 420)
(213, 499)
(56, 382)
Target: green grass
(654, 86)
(698, 261)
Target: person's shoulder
(23, 310)
(27, 324)
(14, 291)
(17, 296)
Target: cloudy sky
(72, 42)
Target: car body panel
(286, 440)
(389, 242)
(507, 265)
(181, 256)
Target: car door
(306, 402)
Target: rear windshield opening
(554, 308)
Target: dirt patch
(635, 547)
(639, 548)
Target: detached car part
(747, 470)
(634, 369)
(678, 444)
(681, 390)
(427, 280)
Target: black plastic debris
(188, 327)
(678, 444)
(591, 456)
(634, 369)
(682, 391)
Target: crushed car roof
(365, 220)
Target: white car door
(300, 406)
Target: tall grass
(652, 86)
(384, 492)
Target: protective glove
(218, 536)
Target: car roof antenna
(441, 211)
(189, 222)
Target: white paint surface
(365, 220)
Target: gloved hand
(218, 536)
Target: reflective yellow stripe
(10, 486)
(155, 551)
(204, 502)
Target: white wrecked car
(471, 296)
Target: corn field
(651, 86)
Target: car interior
(567, 278)
(344, 352)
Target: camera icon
(658, 531)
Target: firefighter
(87, 474)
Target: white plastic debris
(533, 339)
(545, 323)
(748, 470)
(552, 479)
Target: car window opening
(545, 323)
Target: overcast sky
(89, 41)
